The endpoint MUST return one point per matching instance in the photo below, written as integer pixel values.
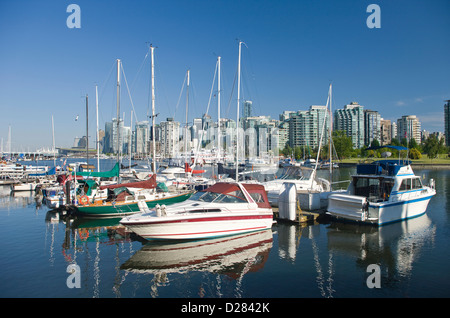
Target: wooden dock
(302, 217)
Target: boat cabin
(223, 192)
(377, 181)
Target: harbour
(220, 176)
(315, 259)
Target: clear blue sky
(294, 50)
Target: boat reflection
(233, 256)
(395, 247)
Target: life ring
(84, 234)
(84, 200)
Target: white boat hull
(203, 226)
(357, 208)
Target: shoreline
(413, 164)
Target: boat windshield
(374, 189)
(296, 173)
(232, 197)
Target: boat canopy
(50, 172)
(388, 167)
(146, 184)
(387, 146)
(256, 191)
(114, 172)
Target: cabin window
(226, 198)
(386, 188)
(367, 187)
(417, 184)
(257, 197)
(405, 185)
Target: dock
(302, 217)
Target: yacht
(382, 192)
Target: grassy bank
(441, 160)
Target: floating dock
(301, 217)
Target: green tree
(431, 147)
(413, 144)
(414, 154)
(342, 144)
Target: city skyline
(293, 51)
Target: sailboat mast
(118, 109)
(87, 132)
(186, 125)
(53, 150)
(97, 134)
(331, 136)
(218, 108)
(237, 115)
(153, 111)
(130, 141)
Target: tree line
(343, 148)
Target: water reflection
(84, 244)
(18, 199)
(232, 256)
(395, 247)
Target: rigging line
(231, 95)
(179, 97)
(140, 68)
(129, 94)
(207, 110)
(102, 89)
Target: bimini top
(388, 167)
(256, 192)
(387, 146)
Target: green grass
(442, 159)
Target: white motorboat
(305, 180)
(220, 210)
(382, 192)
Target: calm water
(290, 261)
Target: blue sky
(294, 50)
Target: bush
(414, 154)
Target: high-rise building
(372, 126)
(351, 121)
(305, 127)
(386, 132)
(394, 130)
(111, 135)
(141, 138)
(409, 127)
(170, 134)
(247, 109)
(447, 122)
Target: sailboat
(220, 210)
(305, 178)
(122, 199)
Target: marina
(319, 258)
(225, 156)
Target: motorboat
(304, 178)
(382, 192)
(220, 210)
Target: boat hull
(180, 227)
(110, 210)
(357, 209)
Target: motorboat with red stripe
(220, 210)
